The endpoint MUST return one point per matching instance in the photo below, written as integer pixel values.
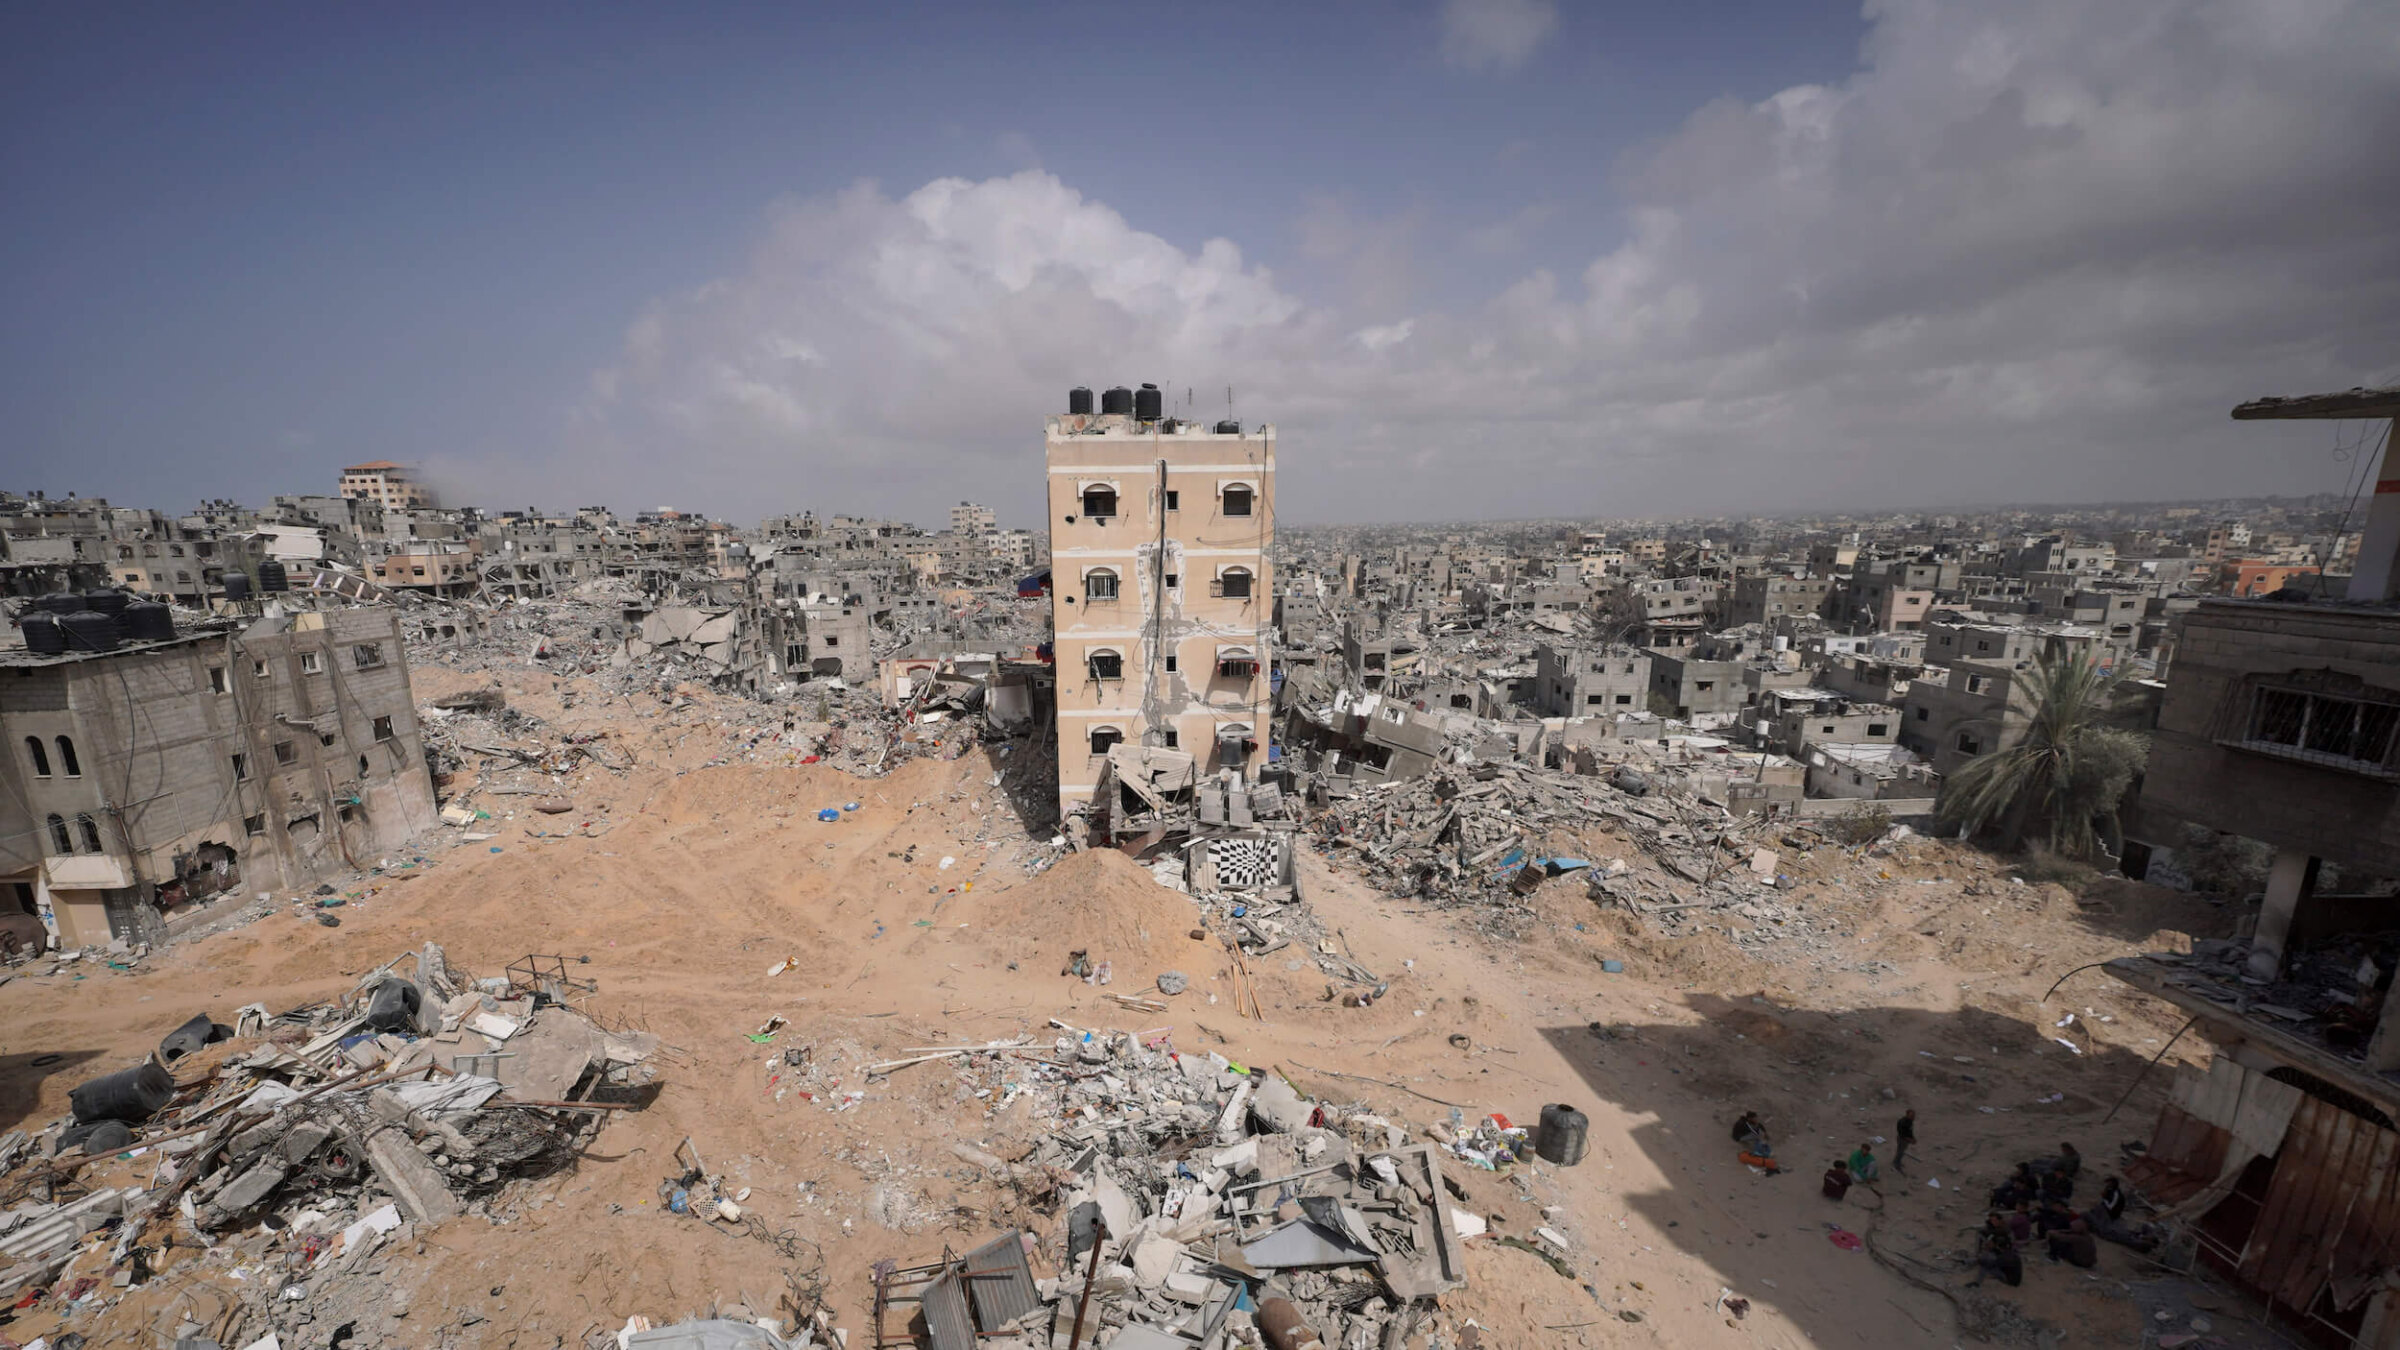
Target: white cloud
(1494, 34)
(2022, 254)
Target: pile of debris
(1187, 1200)
(283, 1150)
(2327, 992)
(1483, 835)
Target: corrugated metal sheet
(2185, 1156)
(1000, 1282)
(2334, 1205)
(945, 1305)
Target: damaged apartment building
(151, 766)
(1161, 605)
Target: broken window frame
(1104, 663)
(1100, 584)
(2324, 728)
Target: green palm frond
(2068, 769)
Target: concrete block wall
(2351, 818)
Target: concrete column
(2383, 1052)
(2376, 573)
(2288, 882)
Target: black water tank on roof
(1079, 400)
(1148, 404)
(89, 630)
(1117, 402)
(237, 585)
(148, 621)
(61, 602)
(1229, 428)
(43, 636)
(272, 577)
(109, 600)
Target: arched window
(91, 833)
(1237, 499)
(60, 840)
(1102, 738)
(1099, 501)
(67, 763)
(1234, 583)
(41, 757)
(1106, 664)
(1100, 584)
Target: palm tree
(2062, 780)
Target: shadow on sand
(22, 1075)
(1826, 1082)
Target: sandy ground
(683, 884)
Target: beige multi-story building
(973, 521)
(380, 480)
(1162, 594)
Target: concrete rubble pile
(275, 1156)
(2327, 993)
(1188, 1201)
(1479, 836)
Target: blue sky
(1483, 257)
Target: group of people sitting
(1861, 1168)
(2036, 1204)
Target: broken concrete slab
(411, 1177)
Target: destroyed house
(1575, 681)
(158, 773)
(2281, 723)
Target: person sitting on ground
(1751, 1133)
(2020, 1186)
(2075, 1246)
(2068, 1161)
(1862, 1164)
(2058, 1186)
(1837, 1180)
(1995, 1254)
(2052, 1217)
(2112, 1198)
(2020, 1223)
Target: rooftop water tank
(43, 636)
(1229, 427)
(61, 602)
(148, 621)
(1079, 400)
(1117, 402)
(237, 586)
(89, 630)
(272, 578)
(1148, 404)
(108, 600)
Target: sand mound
(1105, 903)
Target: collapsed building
(153, 765)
